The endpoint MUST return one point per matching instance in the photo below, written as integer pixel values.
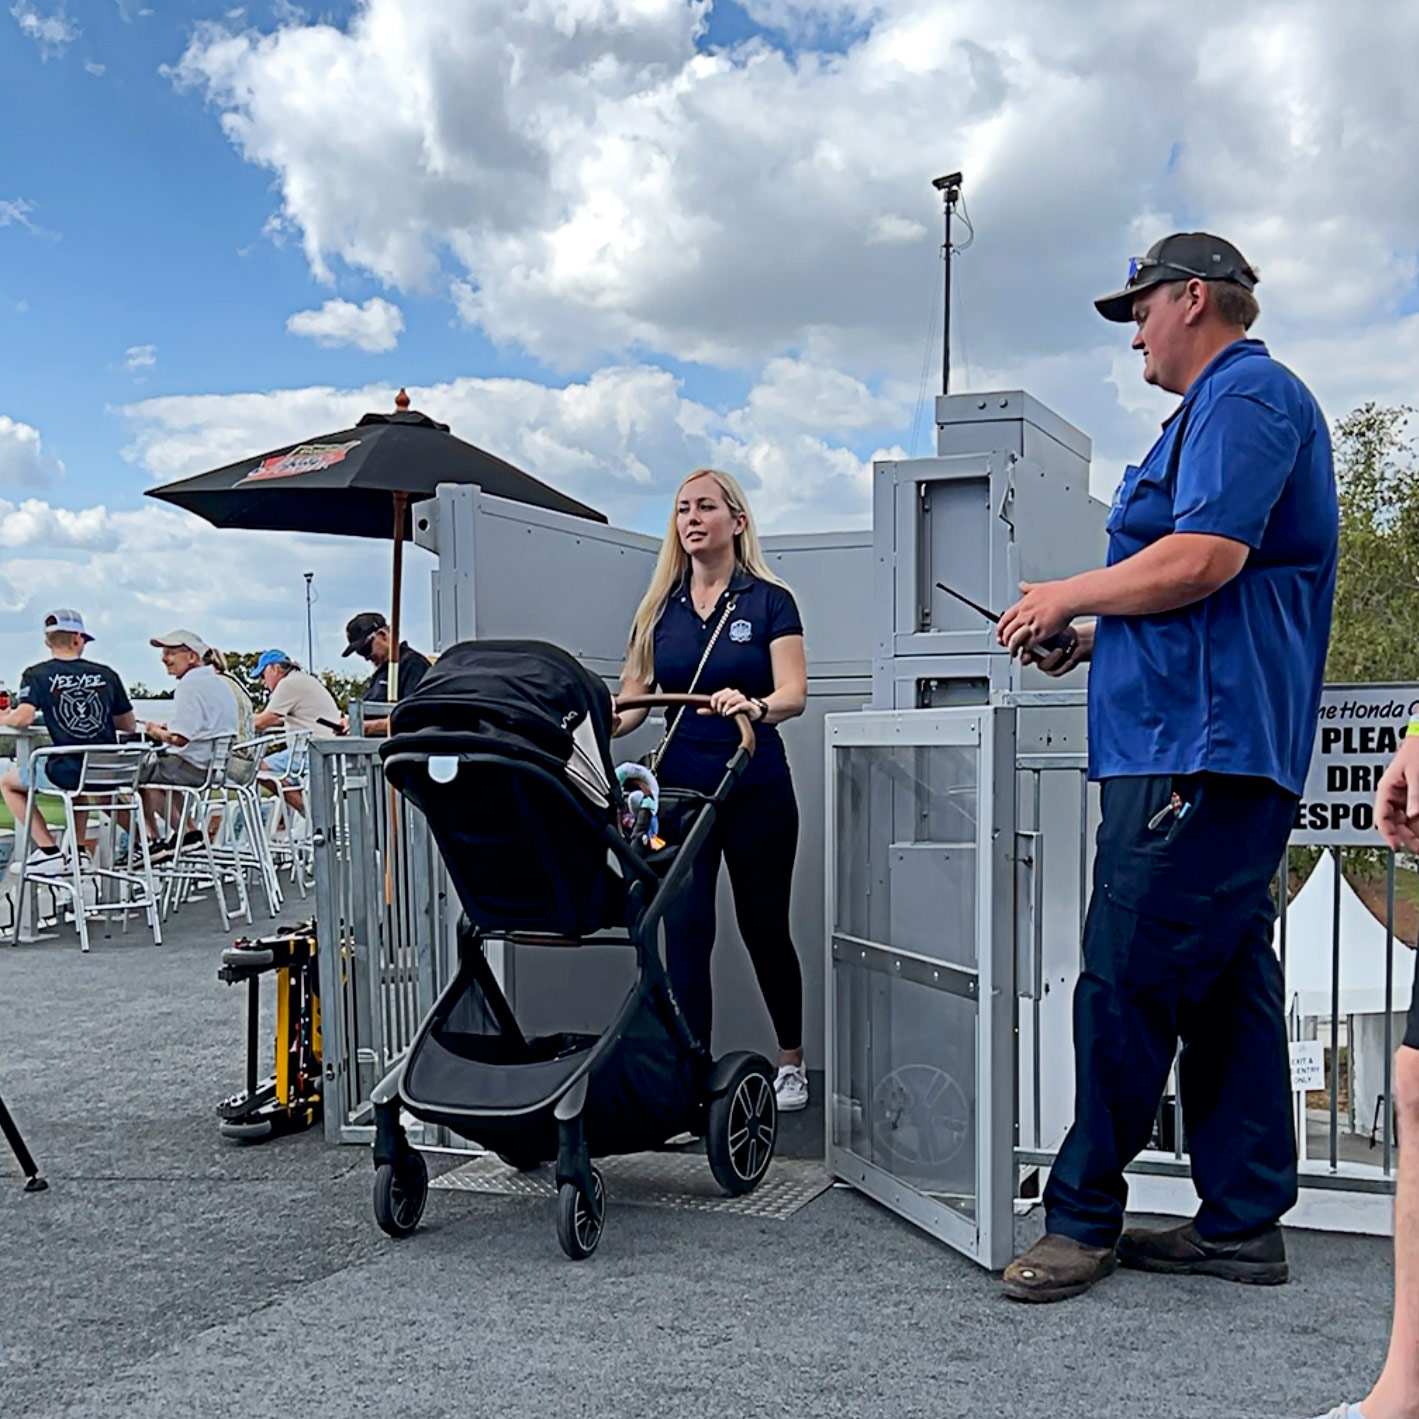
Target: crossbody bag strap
(658, 753)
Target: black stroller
(505, 747)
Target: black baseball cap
(1184, 256)
(359, 631)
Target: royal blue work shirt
(1230, 684)
(702, 744)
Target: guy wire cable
(931, 329)
(959, 307)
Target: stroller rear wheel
(400, 1192)
(579, 1218)
(741, 1128)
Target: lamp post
(309, 626)
(950, 189)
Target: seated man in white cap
(203, 710)
(82, 702)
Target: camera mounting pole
(950, 189)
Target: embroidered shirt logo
(740, 631)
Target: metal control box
(1005, 500)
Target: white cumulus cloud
(135, 573)
(52, 30)
(15, 212)
(374, 326)
(620, 440)
(140, 357)
(587, 182)
(23, 461)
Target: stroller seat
(505, 749)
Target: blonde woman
(716, 616)
(241, 767)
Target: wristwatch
(763, 709)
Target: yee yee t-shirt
(79, 700)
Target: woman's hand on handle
(731, 702)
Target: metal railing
(1359, 1160)
(382, 911)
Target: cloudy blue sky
(613, 239)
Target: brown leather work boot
(1260, 1260)
(1056, 1268)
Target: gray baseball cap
(1184, 256)
(180, 639)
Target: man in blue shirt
(1208, 651)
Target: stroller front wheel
(400, 1193)
(579, 1219)
(741, 1128)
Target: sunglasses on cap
(1141, 265)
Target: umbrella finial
(401, 400)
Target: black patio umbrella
(359, 482)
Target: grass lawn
(53, 813)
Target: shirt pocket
(1123, 495)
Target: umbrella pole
(401, 504)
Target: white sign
(1357, 731)
(1307, 1066)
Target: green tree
(1375, 634)
(344, 687)
(1375, 631)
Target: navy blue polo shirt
(1230, 684)
(702, 743)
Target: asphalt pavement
(170, 1271)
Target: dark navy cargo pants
(1177, 945)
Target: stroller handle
(746, 728)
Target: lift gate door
(920, 913)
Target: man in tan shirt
(297, 703)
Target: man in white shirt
(203, 710)
(297, 703)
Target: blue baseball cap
(269, 657)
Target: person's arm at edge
(1397, 798)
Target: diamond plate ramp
(681, 1180)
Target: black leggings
(756, 833)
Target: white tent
(1310, 926)
(1309, 951)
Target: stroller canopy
(520, 852)
(525, 698)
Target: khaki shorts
(173, 769)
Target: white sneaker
(1344, 1411)
(46, 864)
(791, 1088)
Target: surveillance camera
(941, 184)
